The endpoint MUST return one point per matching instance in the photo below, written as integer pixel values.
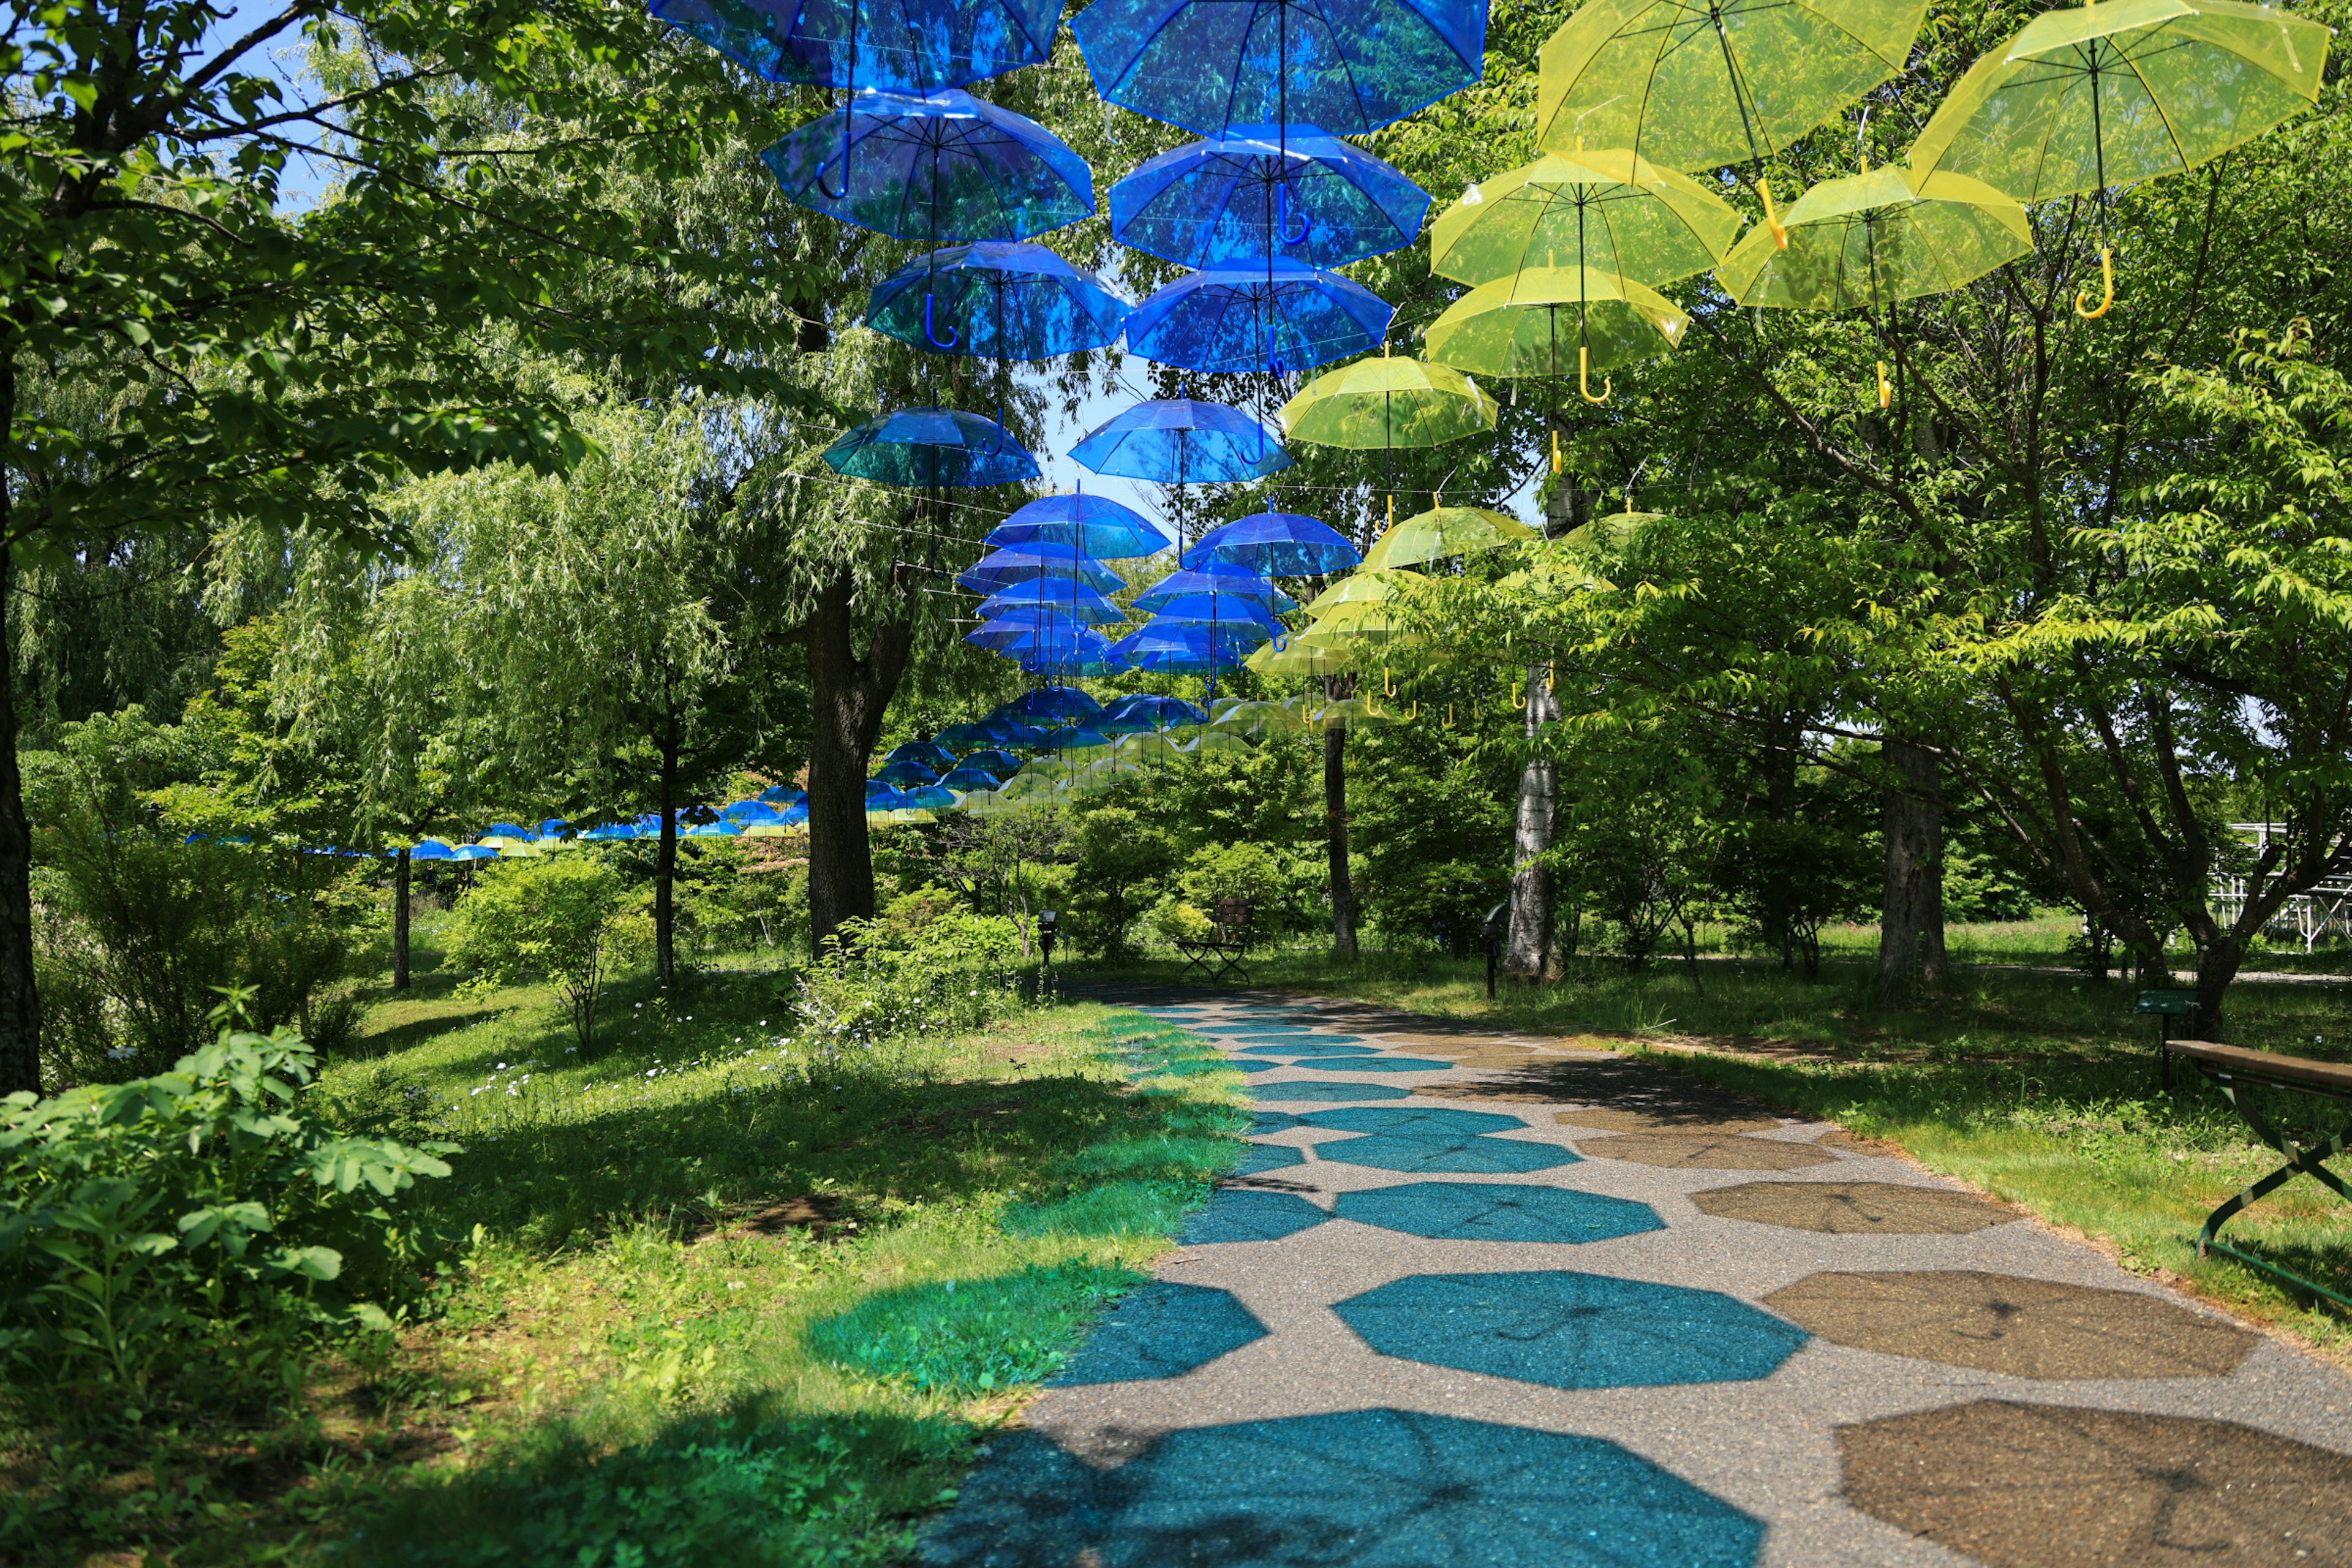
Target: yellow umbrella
(1445, 530)
(1362, 587)
(1512, 327)
(1611, 211)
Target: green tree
(566, 918)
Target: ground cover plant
(2039, 1087)
(720, 1289)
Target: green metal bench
(2232, 1067)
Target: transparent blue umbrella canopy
(1036, 631)
(1064, 598)
(1099, 525)
(927, 447)
(904, 45)
(1347, 65)
(944, 169)
(1216, 578)
(931, 753)
(1061, 703)
(1271, 315)
(903, 773)
(997, 300)
(1259, 191)
(1001, 569)
(1159, 711)
(1179, 441)
(1283, 542)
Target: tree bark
(2217, 967)
(1533, 952)
(849, 696)
(400, 921)
(666, 864)
(20, 997)
(1911, 922)
(1335, 813)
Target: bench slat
(2335, 1078)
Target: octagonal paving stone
(1309, 1090)
(1571, 1331)
(1421, 1122)
(1704, 1150)
(1359, 1488)
(1497, 1211)
(1318, 1046)
(1382, 1064)
(1264, 1157)
(1445, 1153)
(1853, 1208)
(1239, 1213)
(1161, 1330)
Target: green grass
(717, 1296)
(2039, 1088)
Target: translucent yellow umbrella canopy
(1889, 233)
(1288, 655)
(1362, 587)
(2175, 82)
(1556, 321)
(1614, 531)
(1445, 530)
(1610, 211)
(1259, 719)
(1383, 403)
(1696, 84)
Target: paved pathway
(1474, 1300)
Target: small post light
(1049, 926)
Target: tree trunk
(848, 696)
(400, 921)
(1911, 922)
(2217, 965)
(1533, 950)
(20, 999)
(666, 864)
(1335, 813)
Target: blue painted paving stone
(1264, 1157)
(1571, 1331)
(1164, 1329)
(1419, 1121)
(1497, 1211)
(1302, 1089)
(1359, 1489)
(1265, 1121)
(1238, 1214)
(1382, 1064)
(1451, 1155)
(1301, 1048)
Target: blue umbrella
(904, 773)
(1347, 65)
(930, 797)
(783, 795)
(1177, 441)
(922, 448)
(963, 781)
(1322, 201)
(1003, 765)
(1221, 610)
(996, 300)
(508, 830)
(794, 814)
(554, 827)
(431, 849)
(881, 796)
(1051, 702)
(1276, 541)
(945, 169)
(1160, 646)
(914, 45)
(931, 753)
(721, 829)
(1102, 526)
(1065, 598)
(473, 852)
(1271, 315)
(608, 832)
(1002, 569)
(1014, 732)
(748, 811)
(1032, 630)
(1163, 711)
(962, 737)
(1216, 578)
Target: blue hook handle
(931, 335)
(1282, 196)
(842, 195)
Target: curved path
(1475, 1300)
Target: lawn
(2039, 1088)
(715, 1295)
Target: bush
(568, 918)
(729, 896)
(1176, 921)
(877, 979)
(1240, 869)
(144, 1220)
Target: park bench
(1220, 954)
(2230, 1069)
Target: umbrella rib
(2131, 62)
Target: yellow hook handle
(1517, 701)
(1388, 681)
(2107, 298)
(1551, 677)
(1584, 378)
(1449, 715)
(1555, 454)
(1416, 708)
(1771, 218)
(1885, 393)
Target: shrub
(204, 1204)
(876, 980)
(568, 918)
(1176, 921)
(1239, 869)
(731, 894)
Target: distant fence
(2325, 909)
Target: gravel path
(1476, 1299)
